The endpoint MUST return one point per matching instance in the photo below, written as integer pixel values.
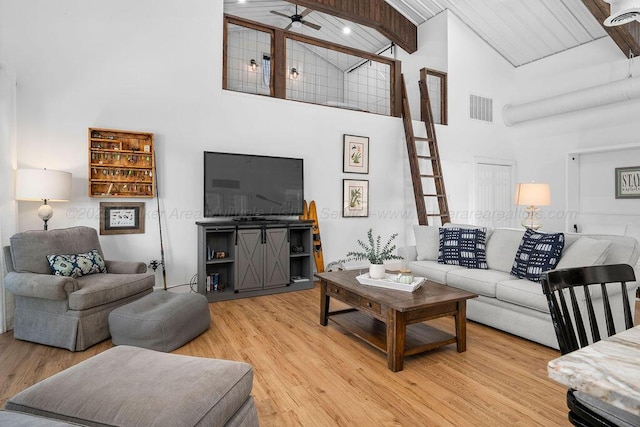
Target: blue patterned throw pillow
(463, 246)
(77, 265)
(538, 252)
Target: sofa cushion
(623, 249)
(538, 252)
(463, 246)
(77, 265)
(522, 292)
(481, 282)
(427, 242)
(99, 289)
(433, 270)
(502, 246)
(584, 252)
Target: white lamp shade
(43, 184)
(533, 194)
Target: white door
(494, 195)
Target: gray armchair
(62, 311)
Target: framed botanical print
(355, 154)
(355, 198)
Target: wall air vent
(481, 108)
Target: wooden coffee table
(391, 320)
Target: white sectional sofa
(506, 302)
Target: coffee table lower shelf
(420, 337)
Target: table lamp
(43, 184)
(532, 195)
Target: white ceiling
(361, 37)
(522, 31)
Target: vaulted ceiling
(522, 31)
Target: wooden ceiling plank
(371, 13)
(625, 36)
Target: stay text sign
(628, 183)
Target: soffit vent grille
(624, 18)
(622, 11)
(481, 108)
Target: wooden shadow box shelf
(121, 163)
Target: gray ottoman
(161, 321)
(20, 419)
(130, 386)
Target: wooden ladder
(415, 156)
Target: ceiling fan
(296, 19)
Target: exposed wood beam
(626, 36)
(376, 14)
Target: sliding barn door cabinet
(238, 259)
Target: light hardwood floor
(310, 375)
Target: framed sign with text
(628, 183)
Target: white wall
(7, 164)
(591, 194)
(156, 66)
(543, 145)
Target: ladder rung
(431, 176)
(437, 214)
(433, 195)
(421, 138)
(426, 157)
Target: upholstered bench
(131, 386)
(161, 321)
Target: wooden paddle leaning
(317, 243)
(309, 213)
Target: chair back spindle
(554, 284)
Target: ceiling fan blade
(288, 27)
(280, 14)
(306, 12)
(311, 25)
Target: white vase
(376, 271)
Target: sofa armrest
(408, 253)
(125, 267)
(44, 286)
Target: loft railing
(269, 61)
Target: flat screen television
(243, 185)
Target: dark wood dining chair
(556, 284)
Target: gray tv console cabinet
(241, 259)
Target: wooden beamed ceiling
(626, 36)
(376, 14)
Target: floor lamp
(43, 185)
(532, 195)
